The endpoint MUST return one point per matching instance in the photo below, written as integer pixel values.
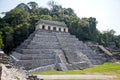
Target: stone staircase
(103, 54)
(48, 50)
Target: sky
(107, 12)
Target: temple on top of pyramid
(52, 25)
(52, 47)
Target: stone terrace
(50, 49)
(59, 49)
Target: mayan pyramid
(52, 47)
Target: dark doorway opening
(54, 28)
(43, 26)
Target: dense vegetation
(19, 23)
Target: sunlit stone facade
(52, 25)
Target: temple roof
(62, 24)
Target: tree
(92, 24)
(43, 11)
(23, 6)
(3, 23)
(1, 40)
(84, 33)
(69, 12)
(33, 6)
(21, 33)
(16, 16)
(46, 17)
(107, 37)
(8, 38)
(117, 41)
(54, 8)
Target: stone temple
(52, 47)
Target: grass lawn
(106, 68)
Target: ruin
(5, 59)
(52, 47)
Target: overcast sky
(107, 12)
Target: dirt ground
(77, 77)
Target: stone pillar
(57, 28)
(66, 30)
(40, 26)
(37, 27)
(51, 28)
(62, 29)
(46, 27)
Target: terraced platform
(59, 49)
(50, 49)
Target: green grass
(106, 68)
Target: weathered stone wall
(12, 73)
(4, 59)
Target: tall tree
(54, 8)
(17, 16)
(23, 6)
(92, 24)
(46, 17)
(69, 11)
(33, 5)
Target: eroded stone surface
(12, 73)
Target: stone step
(40, 51)
(16, 55)
(67, 38)
(45, 33)
(44, 36)
(72, 47)
(31, 64)
(74, 56)
(37, 56)
(78, 65)
(24, 44)
(43, 68)
(61, 33)
(72, 44)
(48, 44)
(38, 46)
(45, 39)
(44, 43)
(94, 57)
(63, 36)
